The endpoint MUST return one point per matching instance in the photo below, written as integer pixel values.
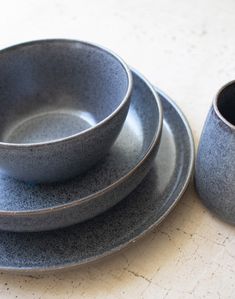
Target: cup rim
(215, 104)
(97, 125)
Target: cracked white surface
(186, 48)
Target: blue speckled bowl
(28, 207)
(63, 104)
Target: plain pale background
(187, 49)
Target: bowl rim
(107, 119)
(155, 140)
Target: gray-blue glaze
(37, 207)
(63, 104)
(215, 163)
(143, 209)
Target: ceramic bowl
(39, 207)
(63, 104)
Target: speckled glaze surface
(143, 209)
(37, 207)
(63, 104)
(215, 163)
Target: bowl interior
(54, 89)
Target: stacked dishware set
(92, 156)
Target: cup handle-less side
(215, 167)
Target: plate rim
(97, 258)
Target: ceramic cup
(215, 164)
(63, 104)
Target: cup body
(215, 163)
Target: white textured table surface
(186, 48)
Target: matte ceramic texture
(143, 209)
(63, 104)
(33, 207)
(215, 164)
